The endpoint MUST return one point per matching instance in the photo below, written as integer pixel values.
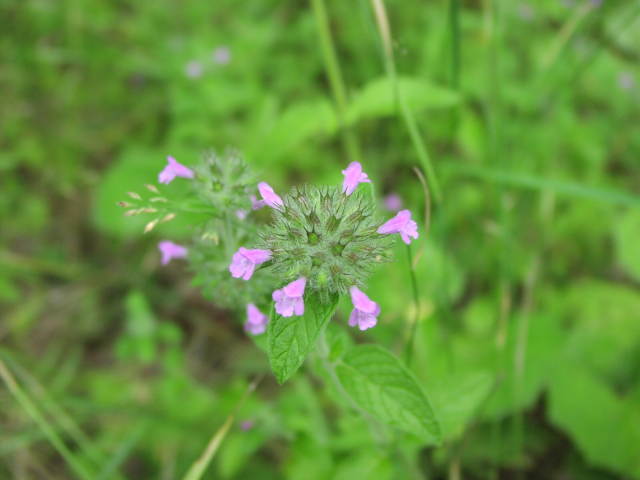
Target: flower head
(244, 262)
(270, 197)
(170, 250)
(193, 69)
(364, 311)
(393, 202)
(327, 237)
(256, 320)
(401, 224)
(172, 170)
(626, 81)
(353, 175)
(246, 425)
(221, 55)
(289, 298)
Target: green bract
(326, 236)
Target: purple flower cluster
(289, 300)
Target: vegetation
(506, 342)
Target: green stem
(454, 67)
(335, 79)
(25, 402)
(416, 305)
(199, 467)
(454, 29)
(407, 115)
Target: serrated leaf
(383, 387)
(290, 339)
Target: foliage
(525, 355)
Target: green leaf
(604, 426)
(383, 387)
(458, 397)
(627, 245)
(290, 339)
(378, 99)
(297, 125)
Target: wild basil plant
(285, 262)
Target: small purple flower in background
(256, 204)
(246, 425)
(193, 69)
(241, 214)
(393, 202)
(256, 320)
(626, 81)
(244, 262)
(270, 197)
(595, 3)
(364, 311)
(289, 298)
(170, 250)
(401, 224)
(525, 12)
(221, 55)
(353, 175)
(173, 170)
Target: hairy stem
(416, 305)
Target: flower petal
(395, 224)
(270, 197)
(361, 301)
(256, 255)
(296, 288)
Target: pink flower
(241, 214)
(256, 204)
(246, 425)
(393, 202)
(173, 170)
(221, 55)
(256, 320)
(626, 81)
(270, 197)
(244, 262)
(170, 250)
(353, 175)
(364, 311)
(401, 224)
(289, 298)
(193, 69)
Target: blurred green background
(529, 323)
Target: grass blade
(78, 468)
(406, 113)
(532, 182)
(200, 465)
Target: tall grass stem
(78, 468)
(411, 124)
(336, 79)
